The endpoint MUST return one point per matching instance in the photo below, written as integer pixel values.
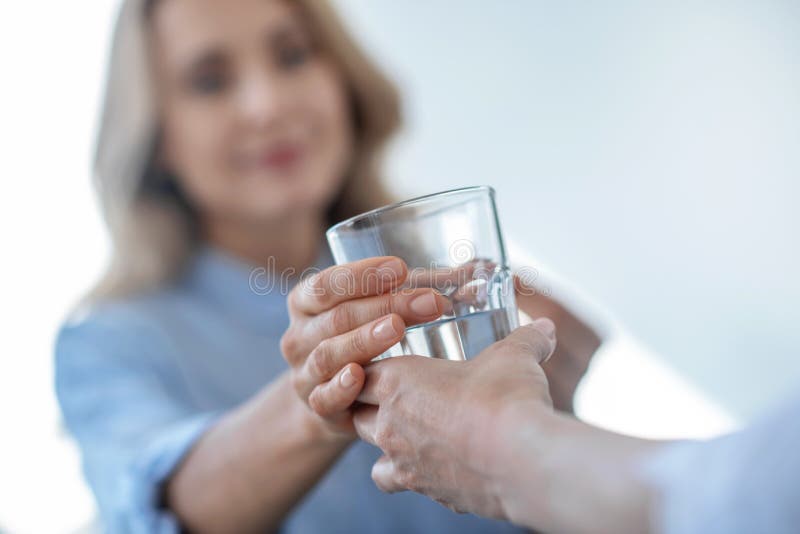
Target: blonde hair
(153, 228)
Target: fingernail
(347, 379)
(384, 330)
(545, 326)
(424, 304)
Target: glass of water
(451, 241)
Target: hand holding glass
(451, 241)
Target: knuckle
(407, 479)
(339, 319)
(341, 282)
(312, 287)
(388, 304)
(384, 437)
(358, 343)
(319, 402)
(535, 343)
(386, 383)
(513, 346)
(384, 388)
(298, 383)
(322, 297)
(289, 344)
(517, 346)
(292, 301)
(378, 480)
(318, 360)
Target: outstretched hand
(440, 423)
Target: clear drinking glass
(451, 241)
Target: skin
(237, 80)
(481, 436)
(576, 345)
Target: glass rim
(416, 200)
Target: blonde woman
(233, 133)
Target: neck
(292, 242)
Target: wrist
(320, 432)
(524, 435)
(311, 429)
(570, 476)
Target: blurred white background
(647, 152)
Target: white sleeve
(748, 481)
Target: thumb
(537, 338)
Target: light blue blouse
(140, 379)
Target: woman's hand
(577, 343)
(442, 425)
(343, 317)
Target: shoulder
(124, 315)
(130, 330)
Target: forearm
(573, 477)
(249, 470)
(577, 343)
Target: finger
(385, 476)
(532, 298)
(474, 293)
(444, 279)
(523, 283)
(383, 378)
(415, 306)
(452, 276)
(359, 346)
(537, 338)
(377, 381)
(365, 422)
(339, 283)
(337, 394)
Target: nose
(262, 98)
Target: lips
(280, 158)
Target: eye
(206, 83)
(291, 56)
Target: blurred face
(255, 119)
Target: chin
(280, 203)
